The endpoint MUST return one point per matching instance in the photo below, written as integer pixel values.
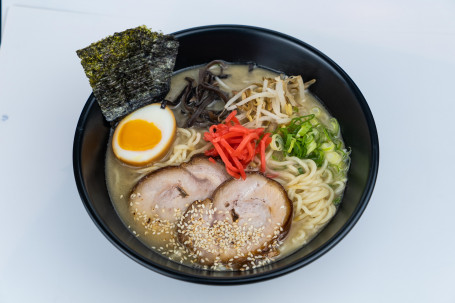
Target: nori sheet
(129, 69)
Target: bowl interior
(271, 50)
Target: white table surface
(401, 54)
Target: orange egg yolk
(139, 135)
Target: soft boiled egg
(145, 135)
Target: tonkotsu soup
(256, 169)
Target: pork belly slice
(243, 219)
(165, 194)
(206, 172)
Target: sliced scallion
(335, 127)
(327, 146)
(316, 111)
(304, 129)
(277, 142)
(306, 137)
(291, 145)
(333, 157)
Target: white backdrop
(400, 54)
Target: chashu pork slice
(206, 172)
(165, 194)
(244, 218)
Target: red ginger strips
(236, 145)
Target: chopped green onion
(304, 129)
(289, 138)
(338, 143)
(277, 142)
(306, 137)
(311, 147)
(315, 134)
(326, 133)
(316, 111)
(291, 145)
(327, 146)
(333, 157)
(335, 127)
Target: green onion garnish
(306, 138)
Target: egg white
(163, 119)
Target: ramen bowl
(272, 50)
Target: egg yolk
(139, 135)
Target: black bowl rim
(344, 230)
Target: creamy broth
(121, 178)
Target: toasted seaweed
(129, 69)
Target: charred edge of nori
(129, 69)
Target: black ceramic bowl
(268, 49)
